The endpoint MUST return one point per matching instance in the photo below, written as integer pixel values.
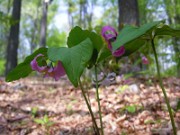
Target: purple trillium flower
(110, 35)
(55, 72)
(145, 60)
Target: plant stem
(89, 107)
(162, 87)
(98, 100)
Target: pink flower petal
(145, 60)
(59, 71)
(56, 72)
(50, 69)
(119, 52)
(109, 36)
(34, 64)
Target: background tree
(129, 15)
(30, 25)
(13, 40)
(128, 12)
(6, 20)
(80, 14)
(173, 13)
(43, 23)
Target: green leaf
(103, 54)
(77, 35)
(50, 123)
(45, 119)
(74, 59)
(166, 30)
(131, 109)
(24, 69)
(130, 33)
(178, 105)
(39, 121)
(133, 46)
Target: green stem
(99, 106)
(162, 87)
(89, 107)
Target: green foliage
(52, 10)
(122, 88)
(131, 109)
(34, 111)
(170, 71)
(130, 33)
(45, 122)
(178, 105)
(103, 54)
(166, 30)
(56, 39)
(133, 46)
(2, 68)
(24, 69)
(77, 35)
(123, 133)
(133, 38)
(109, 14)
(74, 59)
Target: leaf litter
(135, 109)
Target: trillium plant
(87, 49)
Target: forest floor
(34, 106)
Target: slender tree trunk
(8, 6)
(13, 40)
(35, 30)
(174, 18)
(80, 12)
(43, 24)
(70, 17)
(176, 44)
(89, 17)
(83, 13)
(128, 12)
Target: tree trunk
(33, 40)
(43, 24)
(83, 13)
(13, 40)
(174, 18)
(70, 17)
(176, 44)
(128, 12)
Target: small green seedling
(34, 111)
(178, 106)
(131, 108)
(45, 123)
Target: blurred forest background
(26, 25)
